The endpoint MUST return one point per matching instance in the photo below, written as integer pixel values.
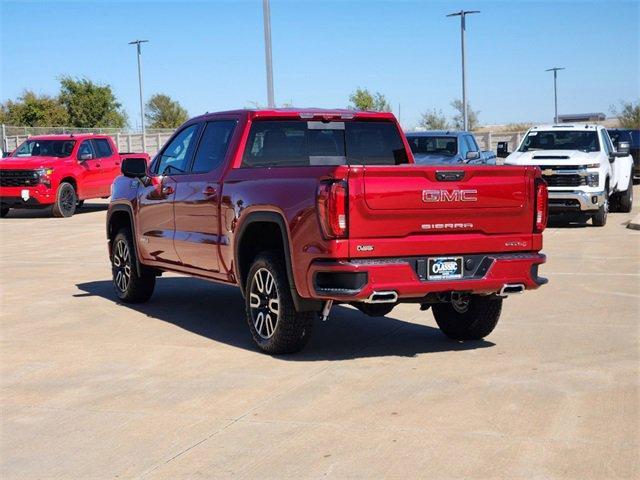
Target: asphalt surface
(173, 389)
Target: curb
(635, 223)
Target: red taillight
(332, 209)
(542, 206)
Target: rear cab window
(102, 148)
(292, 143)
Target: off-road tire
(292, 329)
(130, 284)
(625, 199)
(4, 211)
(599, 219)
(66, 200)
(474, 323)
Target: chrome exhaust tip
(511, 289)
(383, 297)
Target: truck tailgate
(417, 210)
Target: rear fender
(302, 304)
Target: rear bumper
(357, 280)
(575, 201)
(26, 197)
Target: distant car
(632, 136)
(440, 147)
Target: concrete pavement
(174, 389)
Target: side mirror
(85, 156)
(134, 167)
(473, 155)
(624, 148)
(503, 150)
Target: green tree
(472, 116)
(629, 115)
(362, 99)
(164, 112)
(91, 105)
(32, 110)
(434, 120)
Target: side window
(86, 149)
(606, 143)
(473, 146)
(102, 148)
(175, 156)
(213, 145)
(464, 146)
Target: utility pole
(266, 14)
(555, 89)
(137, 44)
(462, 14)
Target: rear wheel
(275, 325)
(131, 285)
(66, 198)
(470, 318)
(625, 200)
(4, 211)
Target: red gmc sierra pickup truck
(59, 171)
(306, 208)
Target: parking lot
(95, 389)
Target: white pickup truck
(584, 172)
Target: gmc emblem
(430, 196)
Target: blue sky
(209, 55)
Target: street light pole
(462, 14)
(555, 89)
(266, 14)
(137, 44)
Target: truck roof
(568, 126)
(67, 136)
(304, 113)
(434, 133)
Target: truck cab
(585, 174)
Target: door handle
(210, 191)
(167, 190)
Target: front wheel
(66, 199)
(131, 285)
(471, 318)
(4, 211)
(599, 219)
(275, 325)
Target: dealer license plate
(445, 268)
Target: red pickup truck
(306, 208)
(60, 171)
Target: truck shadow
(46, 212)
(567, 221)
(217, 312)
